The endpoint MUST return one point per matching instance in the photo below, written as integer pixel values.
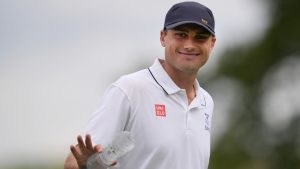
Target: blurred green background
(266, 76)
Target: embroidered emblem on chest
(207, 125)
(160, 110)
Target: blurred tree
(249, 143)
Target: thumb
(98, 148)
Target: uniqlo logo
(160, 110)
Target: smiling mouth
(190, 54)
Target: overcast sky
(58, 56)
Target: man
(163, 107)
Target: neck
(186, 83)
(183, 80)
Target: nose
(189, 44)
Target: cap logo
(204, 21)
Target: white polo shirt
(168, 133)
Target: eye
(180, 34)
(203, 36)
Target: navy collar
(162, 78)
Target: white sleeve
(110, 118)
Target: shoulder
(133, 82)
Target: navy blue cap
(190, 12)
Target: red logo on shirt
(160, 110)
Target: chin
(190, 70)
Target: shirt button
(188, 131)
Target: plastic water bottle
(121, 144)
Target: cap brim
(186, 22)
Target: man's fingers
(74, 151)
(81, 143)
(88, 142)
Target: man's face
(187, 47)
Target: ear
(213, 41)
(162, 37)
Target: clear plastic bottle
(121, 144)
